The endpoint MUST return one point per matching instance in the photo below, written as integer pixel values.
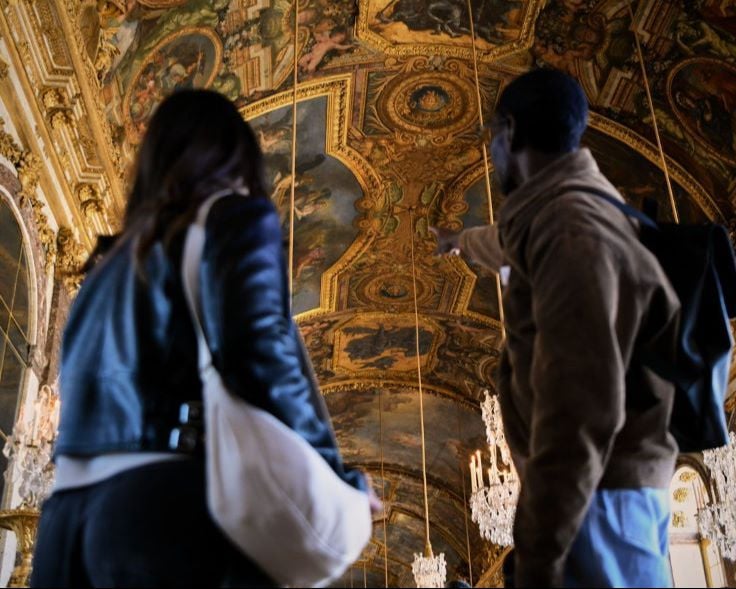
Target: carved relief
(89, 200)
(28, 167)
(57, 107)
(70, 257)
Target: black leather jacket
(129, 357)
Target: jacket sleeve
(249, 327)
(578, 384)
(481, 245)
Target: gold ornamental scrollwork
(649, 151)
(425, 43)
(28, 168)
(90, 200)
(681, 494)
(70, 257)
(24, 524)
(57, 108)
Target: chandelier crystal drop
(493, 507)
(717, 521)
(429, 570)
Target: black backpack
(699, 261)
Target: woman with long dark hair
(129, 506)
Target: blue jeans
(623, 541)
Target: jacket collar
(528, 198)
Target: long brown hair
(196, 143)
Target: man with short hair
(586, 421)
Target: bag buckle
(187, 436)
(184, 439)
(191, 413)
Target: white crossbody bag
(271, 493)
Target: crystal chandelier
(717, 521)
(493, 507)
(429, 570)
(29, 449)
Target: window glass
(14, 320)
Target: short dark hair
(549, 109)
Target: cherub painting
(188, 59)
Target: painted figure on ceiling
(451, 16)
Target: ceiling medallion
(429, 102)
(396, 290)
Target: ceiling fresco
(388, 144)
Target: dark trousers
(146, 527)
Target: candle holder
(24, 524)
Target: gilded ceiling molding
(90, 201)
(493, 575)
(4, 69)
(28, 167)
(650, 152)
(57, 107)
(525, 39)
(634, 141)
(368, 383)
(87, 76)
(19, 23)
(339, 91)
(70, 257)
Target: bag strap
(191, 262)
(626, 209)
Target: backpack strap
(626, 209)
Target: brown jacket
(580, 412)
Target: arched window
(14, 320)
(696, 562)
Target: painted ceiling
(387, 145)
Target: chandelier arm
(481, 125)
(292, 202)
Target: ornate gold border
(376, 41)
(338, 90)
(362, 384)
(632, 140)
(671, 78)
(205, 32)
(374, 317)
(650, 152)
